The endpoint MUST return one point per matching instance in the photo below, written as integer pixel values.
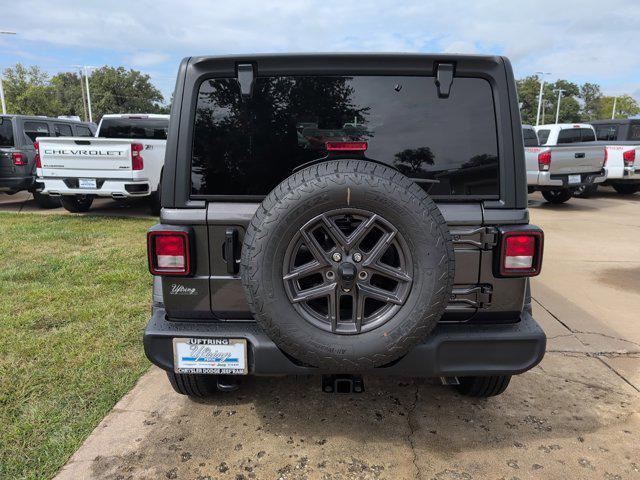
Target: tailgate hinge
(444, 78)
(246, 76)
(484, 238)
(478, 296)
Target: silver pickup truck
(558, 170)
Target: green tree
(67, 90)
(569, 105)
(591, 96)
(117, 90)
(28, 92)
(626, 106)
(528, 90)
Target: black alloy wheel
(347, 271)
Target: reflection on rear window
(246, 147)
(34, 130)
(634, 132)
(82, 131)
(607, 132)
(6, 132)
(142, 128)
(530, 138)
(587, 135)
(570, 135)
(543, 136)
(62, 130)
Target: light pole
(540, 95)
(85, 69)
(86, 79)
(559, 91)
(4, 105)
(613, 112)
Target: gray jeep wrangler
(342, 215)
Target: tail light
(169, 252)
(606, 157)
(629, 157)
(18, 159)
(137, 163)
(544, 161)
(36, 145)
(521, 253)
(346, 146)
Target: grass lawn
(74, 299)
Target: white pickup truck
(124, 160)
(622, 140)
(558, 167)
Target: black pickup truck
(341, 215)
(18, 155)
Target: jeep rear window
(6, 132)
(137, 128)
(246, 146)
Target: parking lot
(573, 416)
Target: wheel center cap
(347, 273)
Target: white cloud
(460, 47)
(147, 59)
(582, 40)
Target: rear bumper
(552, 180)
(118, 188)
(450, 350)
(632, 174)
(15, 184)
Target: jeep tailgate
(83, 157)
(576, 158)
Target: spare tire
(347, 265)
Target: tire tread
(317, 177)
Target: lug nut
(336, 257)
(357, 257)
(362, 275)
(330, 275)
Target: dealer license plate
(574, 179)
(217, 356)
(87, 183)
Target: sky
(581, 41)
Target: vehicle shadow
(611, 194)
(572, 205)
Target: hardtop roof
(42, 117)
(356, 63)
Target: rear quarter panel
(531, 160)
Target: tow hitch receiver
(343, 384)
